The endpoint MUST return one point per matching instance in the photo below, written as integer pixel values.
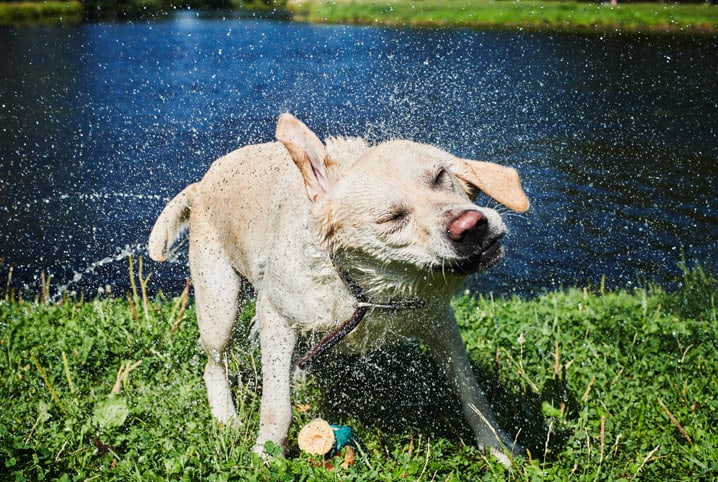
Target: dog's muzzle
(476, 263)
(468, 234)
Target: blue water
(616, 136)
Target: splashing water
(121, 255)
(102, 123)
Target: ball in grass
(317, 437)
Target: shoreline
(529, 15)
(526, 15)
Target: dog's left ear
(309, 154)
(498, 182)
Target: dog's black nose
(468, 227)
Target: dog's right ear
(500, 183)
(309, 154)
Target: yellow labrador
(364, 243)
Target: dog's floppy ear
(309, 154)
(498, 182)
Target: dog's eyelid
(440, 177)
(393, 214)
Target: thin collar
(361, 306)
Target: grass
(525, 14)
(29, 11)
(552, 15)
(603, 385)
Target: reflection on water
(615, 135)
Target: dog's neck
(383, 282)
(362, 305)
(363, 299)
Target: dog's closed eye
(441, 179)
(394, 217)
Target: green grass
(526, 14)
(552, 15)
(13, 12)
(617, 385)
(28, 11)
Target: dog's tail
(172, 222)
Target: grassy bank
(525, 14)
(604, 386)
(72, 10)
(502, 14)
(15, 12)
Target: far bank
(526, 14)
(535, 15)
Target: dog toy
(318, 437)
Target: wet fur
(286, 217)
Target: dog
(363, 243)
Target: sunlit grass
(33, 11)
(502, 14)
(603, 386)
(526, 14)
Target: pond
(615, 136)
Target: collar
(361, 306)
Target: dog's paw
(268, 450)
(504, 453)
(500, 456)
(259, 450)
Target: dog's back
(241, 199)
(250, 190)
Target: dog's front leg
(446, 346)
(277, 340)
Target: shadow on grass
(399, 390)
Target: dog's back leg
(218, 294)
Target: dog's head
(402, 207)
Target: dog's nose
(468, 227)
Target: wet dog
(365, 244)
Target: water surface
(616, 136)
